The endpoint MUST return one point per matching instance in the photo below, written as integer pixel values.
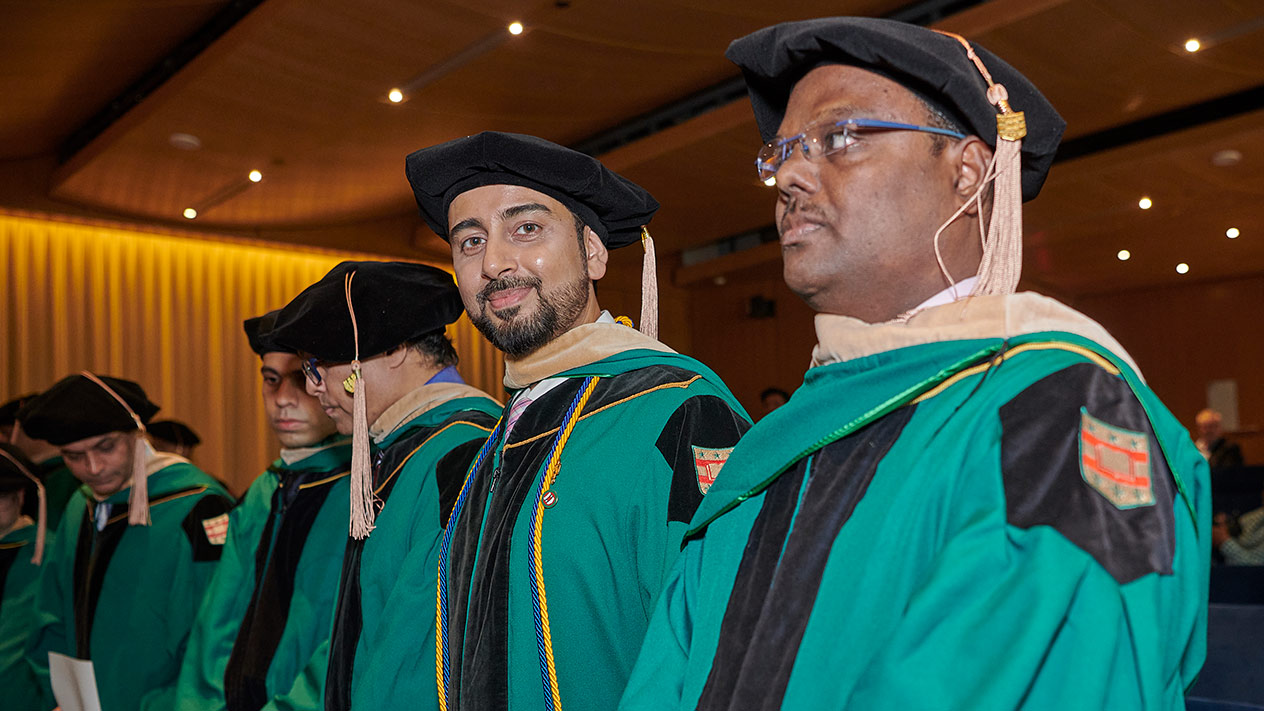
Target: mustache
(505, 283)
(797, 206)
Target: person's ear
(396, 358)
(971, 157)
(598, 255)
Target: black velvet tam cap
(395, 303)
(9, 410)
(931, 65)
(76, 408)
(173, 431)
(259, 334)
(612, 206)
(12, 477)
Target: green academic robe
(59, 486)
(646, 446)
(417, 469)
(968, 524)
(19, 580)
(125, 596)
(266, 615)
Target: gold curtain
(165, 311)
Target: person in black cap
(572, 516)
(21, 553)
(135, 549)
(973, 502)
(59, 483)
(173, 436)
(9, 416)
(259, 637)
(377, 357)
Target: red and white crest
(1115, 462)
(216, 529)
(708, 462)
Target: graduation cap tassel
(138, 499)
(1002, 263)
(363, 502)
(649, 287)
(42, 524)
(138, 503)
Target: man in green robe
(973, 501)
(21, 541)
(136, 547)
(265, 620)
(59, 483)
(567, 526)
(378, 359)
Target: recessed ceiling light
(255, 176)
(515, 28)
(1182, 268)
(1124, 255)
(770, 180)
(1145, 203)
(1193, 45)
(1232, 233)
(1226, 158)
(395, 96)
(185, 141)
(189, 213)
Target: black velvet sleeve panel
(1078, 454)
(450, 474)
(207, 508)
(695, 442)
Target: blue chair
(1233, 676)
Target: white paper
(74, 683)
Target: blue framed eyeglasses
(827, 138)
(309, 366)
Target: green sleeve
(307, 693)
(201, 684)
(657, 680)
(180, 602)
(52, 627)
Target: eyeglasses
(309, 367)
(827, 138)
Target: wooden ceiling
(297, 89)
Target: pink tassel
(138, 504)
(363, 501)
(1002, 263)
(649, 287)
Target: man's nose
(500, 258)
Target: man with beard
(572, 514)
(260, 634)
(973, 501)
(136, 548)
(376, 356)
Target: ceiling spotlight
(1124, 255)
(1232, 233)
(1182, 268)
(255, 176)
(395, 96)
(1226, 158)
(515, 28)
(185, 141)
(189, 213)
(1145, 203)
(1192, 45)
(770, 180)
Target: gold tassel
(138, 504)
(41, 525)
(363, 502)
(649, 287)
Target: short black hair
(437, 347)
(774, 391)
